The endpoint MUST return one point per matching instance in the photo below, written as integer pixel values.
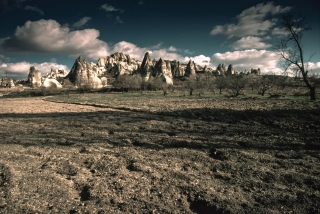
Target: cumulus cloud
(20, 70)
(252, 21)
(138, 52)
(313, 67)
(200, 60)
(48, 36)
(129, 48)
(81, 22)
(250, 42)
(34, 8)
(109, 8)
(267, 61)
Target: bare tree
(221, 83)
(265, 83)
(236, 85)
(290, 48)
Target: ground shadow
(191, 128)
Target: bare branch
(290, 47)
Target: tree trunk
(313, 93)
(191, 90)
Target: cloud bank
(267, 61)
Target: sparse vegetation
(236, 85)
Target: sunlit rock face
(34, 77)
(48, 83)
(104, 81)
(7, 82)
(230, 70)
(190, 69)
(163, 69)
(54, 74)
(146, 68)
(221, 69)
(83, 74)
(117, 64)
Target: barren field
(159, 155)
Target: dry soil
(67, 158)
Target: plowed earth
(67, 158)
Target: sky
(53, 33)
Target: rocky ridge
(110, 67)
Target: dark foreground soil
(65, 158)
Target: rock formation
(51, 83)
(104, 81)
(230, 70)
(175, 68)
(54, 74)
(82, 74)
(34, 77)
(7, 82)
(117, 64)
(190, 69)
(163, 69)
(221, 69)
(146, 68)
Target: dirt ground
(67, 158)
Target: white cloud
(129, 48)
(164, 54)
(200, 60)
(250, 42)
(20, 70)
(279, 31)
(48, 36)
(35, 9)
(171, 48)
(109, 8)
(251, 21)
(81, 22)
(267, 61)
(138, 52)
(313, 67)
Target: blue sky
(52, 34)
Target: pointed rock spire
(82, 74)
(191, 69)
